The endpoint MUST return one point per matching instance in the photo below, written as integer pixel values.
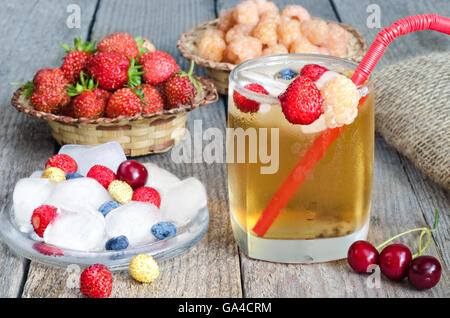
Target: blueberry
(73, 175)
(117, 243)
(288, 74)
(108, 207)
(164, 230)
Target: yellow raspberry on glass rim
(144, 268)
(340, 101)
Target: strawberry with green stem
(113, 70)
(124, 102)
(90, 101)
(76, 59)
(181, 88)
(47, 91)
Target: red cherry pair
(396, 261)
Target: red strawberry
(90, 102)
(96, 282)
(158, 67)
(48, 91)
(180, 88)
(301, 102)
(313, 71)
(124, 102)
(151, 99)
(109, 69)
(67, 111)
(64, 162)
(42, 217)
(246, 105)
(76, 59)
(122, 43)
(88, 105)
(147, 194)
(102, 174)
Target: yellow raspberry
(265, 6)
(272, 16)
(340, 101)
(149, 46)
(338, 40)
(237, 32)
(266, 31)
(288, 31)
(246, 12)
(316, 31)
(226, 20)
(324, 51)
(144, 268)
(295, 12)
(54, 174)
(120, 191)
(244, 49)
(302, 45)
(212, 45)
(276, 49)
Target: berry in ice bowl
(104, 202)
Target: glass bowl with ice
(91, 205)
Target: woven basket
(139, 135)
(220, 71)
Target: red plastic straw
(307, 163)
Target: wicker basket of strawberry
(122, 90)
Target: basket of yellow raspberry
(121, 90)
(256, 28)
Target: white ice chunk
(78, 195)
(181, 202)
(77, 231)
(29, 194)
(37, 174)
(264, 108)
(327, 76)
(159, 178)
(109, 154)
(75, 151)
(134, 220)
(316, 127)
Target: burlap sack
(412, 111)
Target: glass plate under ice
(24, 245)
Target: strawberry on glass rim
(301, 102)
(247, 105)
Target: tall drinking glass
(330, 209)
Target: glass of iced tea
(319, 160)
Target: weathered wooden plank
(317, 8)
(31, 32)
(392, 203)
(415, 44)
(211, 268)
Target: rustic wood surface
(403, 197)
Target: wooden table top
(403, 198)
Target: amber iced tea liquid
(331, 208)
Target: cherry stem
(423, 230)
